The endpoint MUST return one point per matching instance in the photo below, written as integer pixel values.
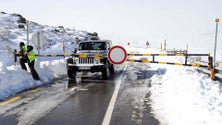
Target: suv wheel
(71, 74)
(111, 68)
(106, 72)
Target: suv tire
(105, 72)
(111, 68)
(71, 73)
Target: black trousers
(31, 66)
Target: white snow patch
(186, 97)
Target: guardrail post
(63, 48)
(212, 74)
(186, 57)
(210, 62)
(211, 68)
(15, 57)
(153, 58)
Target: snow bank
(183, 96)
(15, 79)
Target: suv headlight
(97, 60)
(75, 60)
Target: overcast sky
(181, 22)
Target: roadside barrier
(206, 67)
(170, 63)
(82, 55)
(214, 72)
(180, 64)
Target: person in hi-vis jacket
(28, 56)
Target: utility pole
(38, 39)
(161, 48)
(215, 45)
(187, 47)
(27, 24)
(165, 45)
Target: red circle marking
(125, 55)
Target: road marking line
(34, 90)
(10, 101)
(17, 98)
(109, 111)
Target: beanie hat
(21, 44)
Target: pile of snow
(183, 96)
(14, 79)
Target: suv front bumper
(86, 67)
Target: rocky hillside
(13, 29)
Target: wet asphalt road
(132, 106)
(88, 105)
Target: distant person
(28, 56)
(147, 44)
(128, 44)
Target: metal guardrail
(216, 72)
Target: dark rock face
(21, 18)
(21, 26)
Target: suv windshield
(92, 46)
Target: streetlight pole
(215, 45)
(27, 24)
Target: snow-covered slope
(11, 34)
(13, 79)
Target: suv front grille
(88, 60)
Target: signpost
(117, 55)
(212, 71)
(39, 40)
(215, 45)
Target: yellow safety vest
(31, 55)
